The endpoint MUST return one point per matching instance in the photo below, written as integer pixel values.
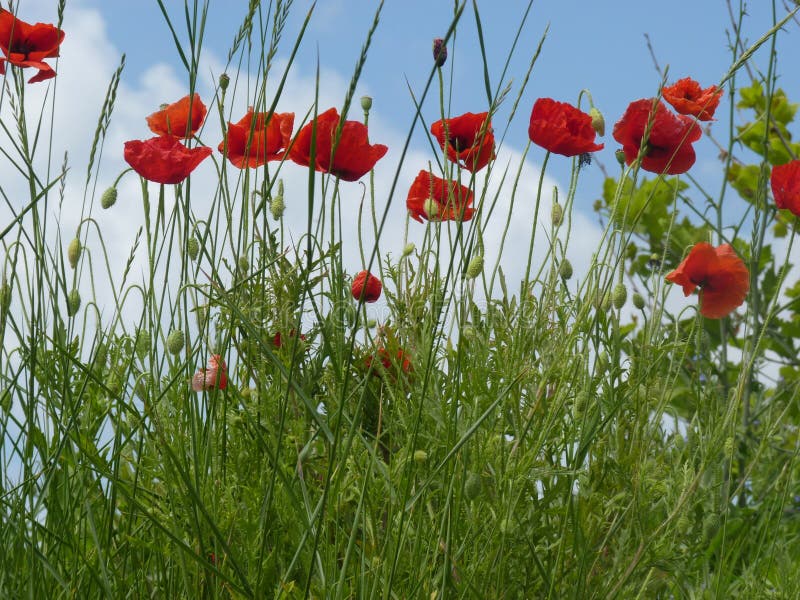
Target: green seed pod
(366, 103)
(175, 341)
(73, 303)
(109, 198)
(192, 247)
(473, 486)
(619, 296)
(142, 346)
(420, 456)
(224, 80)
(557, 214)
(475, 267)
(565, 269)
(620, 154)
(74, 252)
(598, 122)
(638, 301)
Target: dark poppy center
(461, 142)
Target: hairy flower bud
(74, 252)
(556, 214)
(109, 197)
(473, 486)
(243, 264)
(475, 267)
(192, 247)
(439, 52)
(73, 302)
(598, 122)
(366, 103)
(619, 295)
(142, 346)
(277, 205)
(638, 300)
(420, 456)
(565, 269)
(409, 249)
(175, 341)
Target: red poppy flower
(435, 199)
(386, 360)
(468, 139)
(26, 45)
(164, 159)
(785, 181)
(353, 156)
(561, 128)
(213, 377)
(722, 276)
(175, 119)
(277, 340)
(668, 148)
(367, 284)
(258, 138)
(688, 98)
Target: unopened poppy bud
(109, 197)
(371, 323)
(420, 456)
(439, 52)
(243, 264)
(620, 154)
(598, 122)
(475, 267)
(619, 295)
(175, 341)
(431, 208)
(73, 303)
(224, 80)
(409, 249)
(74, 252)
(142, 343)
(5, 297)
(277, 205)
(605, 302)
(366, 103)
(192, 247)
(565, 269)
(556, 214)
(638, 300)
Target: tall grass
(567, 435)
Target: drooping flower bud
(109, 197)
(409, 249)
(556, 214)
(224, 80)
(598, 122)
(74, 252)
(565, 269)
(475, 267)
(142, 346)
(73, 302)
(619, 295)
(366, 103)
(243, 264)
(439, 52)
(192, 247)
(638, 300)
(175, 341)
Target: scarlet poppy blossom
(366, 284)
(688, 98)
(26, 45)
(174, 119)
(720, 274)
(668, 147)
(164, 159)
(258, 138)
(277, 340)
(213, 377)
(785, 181)
(387, 361)
(468, 139)
(431, 197)
(349, 159)
(561, 128)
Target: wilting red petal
(561, 128)
(785, 181)
(258, 138)
(175, 119)
(435, 199)
(688, 98)
(367, 284)
(214, 376)
(26, 45)
(468, 139)
(164, 159)
(349, 160)
(721, 275)
(668, 148)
